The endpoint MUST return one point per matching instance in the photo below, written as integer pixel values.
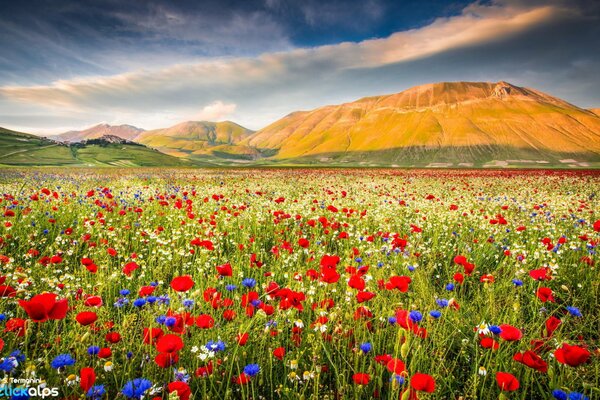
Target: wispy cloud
(290, 76)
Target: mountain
(198, 139)
(123, 131)
(440, 124)
(22, 149)
(595, 111)
(17, 148)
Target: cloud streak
(244, 87)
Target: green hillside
(22, 149)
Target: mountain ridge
(470, 115)
(124, 131)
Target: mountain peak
(128, 132)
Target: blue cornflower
(219, 345)
(188, 303)
(358, 259)
(161, 319)
(2, 317)
(153, 283)
(392, 320)
(442, 302)
(121, 301)
(574, 311)
(249, 283)
(435, 314)
(151, 299)
(450, 287)
(9, 364)
(252, 369)
(495, 329)
(62, 360)
(139, 302)
(230, 287)
(415, 316)
(170, 321)
(124, 292)
(18, 355)
(366, 347)
(164, 299)
(93, 350)
(517, 282)
(96, 392)
(398, 378)
(256, 302)
(577, 396)
(411, 268)
(136, 388)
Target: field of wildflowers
(311, 284)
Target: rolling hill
(123, 131)
(200, 140)
(22, 149)
(442, 124)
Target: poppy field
(299, 284)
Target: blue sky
(71, 64)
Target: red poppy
(572, 355)
(545, 294)
(541, 274)
(242, 338)
(242, 379)
(87, 378)
(532, 360)
(165, 360)
(86, 317)
(279, 353)
(93, 301)
(364, 296)
(43, 307)
(302, 242)
(361, 378)
(105, 352)
(169, 343)
(398, 282)
(130, 267)
(224, 270)
(356, 282)
(507, 382)
(552, 324)
(597, 226)
(7, 291)
(205, 321)
(396, 366)
(510, 333)
(151, 335)
(423, 382)
(181, 388)
(460, 260)
(182, 283)
(16, 325)
(113, 337)
(489, 343)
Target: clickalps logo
(27, 388)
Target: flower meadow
(301, 284)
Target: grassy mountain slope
(456, 122)
(22, 149)
(195, 139)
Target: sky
(68, 65)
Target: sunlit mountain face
(69, 66)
